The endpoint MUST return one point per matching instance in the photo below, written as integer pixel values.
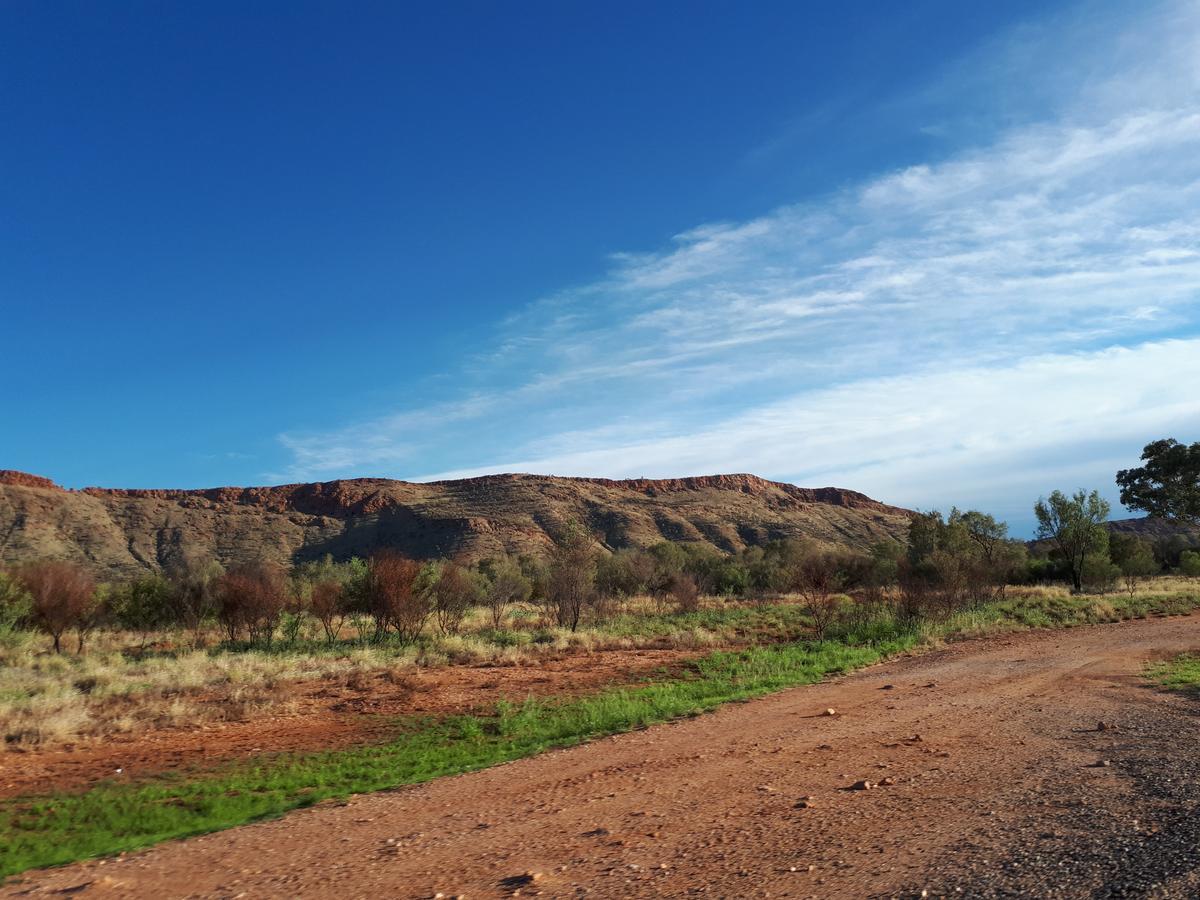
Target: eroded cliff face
(127, 532)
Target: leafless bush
(252, 597)
(454, 593)
(984, 582)
(818, 578)
(914, 599)
(685, 592)
(327, 602)
(661, 577)
(63, 596)
(951, 581)
(394, 596)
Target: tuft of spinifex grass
(112, 817)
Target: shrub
(327, 602)
(869, 603)
(15, 605)
(915, 594)
(818, 577)
(252, 597)
(1189, 563)
(1134, 557)
(291, 625)
(1099, 573)
(967, 557)
(143, 605)
(625, 573)
(508, 585)
(765, 573)
(394, 596)
(685, 592)
(730, 578)
(571, 582)
(454, 593)
(63, 596)
(194, 595)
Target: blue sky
(938, 252)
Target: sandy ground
(994, 748)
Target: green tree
(1075, 526)
(1168, 485)
(143, 605)
(507, 586)
(1189, 563)
(625, 573)
(194, 595)
(1099, 573)
(15, 605)
(983, 531)
(925, 536)
(571, 578)
(1134, 557)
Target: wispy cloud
(923, 334)
(898, 436)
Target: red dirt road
(1003, 792)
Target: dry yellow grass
(46, 698)
(50, 699)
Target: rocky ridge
(125, 532)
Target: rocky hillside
(125, 532)
(1154, 530)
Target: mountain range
(121, 533)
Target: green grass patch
(44, 831)
(1086, 609)
(777, 619)
(1180, 674)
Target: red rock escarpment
(125, 532)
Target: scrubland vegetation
(81, 660)
(84, 660)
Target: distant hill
(1147, 528)
(126, 532)
(1151, 529)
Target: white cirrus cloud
(1007, 433)
(1046, 282)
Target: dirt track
(1001, 795)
